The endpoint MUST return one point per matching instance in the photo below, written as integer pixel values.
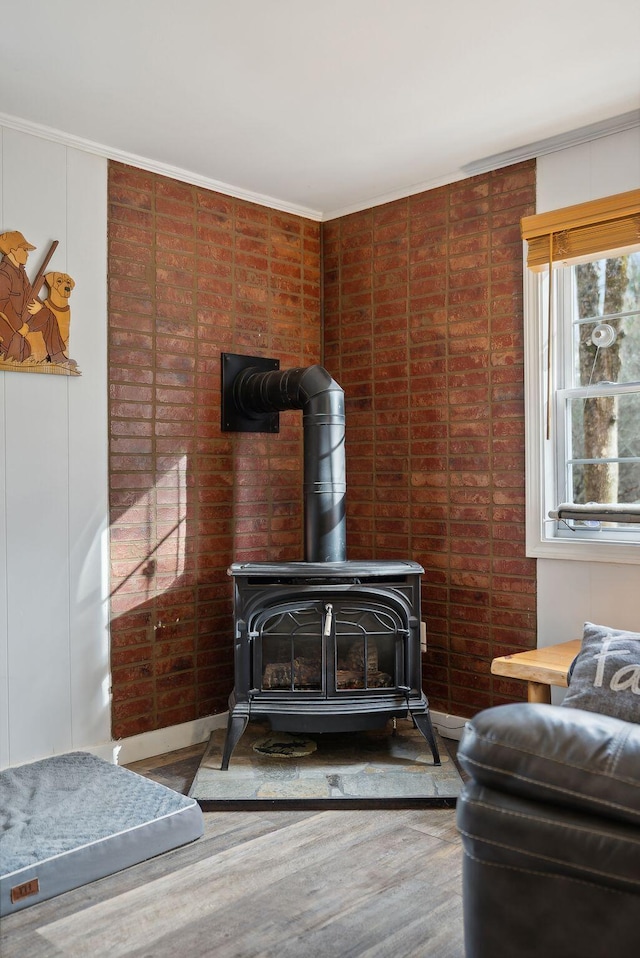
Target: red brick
(167, 241)
(129, 176)
(453, 288)
(423, 479)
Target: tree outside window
(599, 382)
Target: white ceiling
(320, 106)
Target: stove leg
(236, 725)
(423, 724)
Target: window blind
(609, 225)
(597, 511)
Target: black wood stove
(327, 644)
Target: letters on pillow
(605, 675)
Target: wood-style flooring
(266, 884)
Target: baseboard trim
(136, 748)
(449, 726)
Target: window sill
(623, 553)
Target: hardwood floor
(266, 884)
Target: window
(583, 391)
(597, 435)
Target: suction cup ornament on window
(603, 335)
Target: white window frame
(540, 452)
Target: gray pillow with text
(605, 675)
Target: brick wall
(192, 274)
(424, 331)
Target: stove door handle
(328, 619)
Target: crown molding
(383, 198)
(618, 124)
(153, 166)
(553, 144)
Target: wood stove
(326, 647)
(327, 644)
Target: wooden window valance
(608, 225)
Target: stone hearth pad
(365, 768)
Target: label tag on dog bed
(27, 888)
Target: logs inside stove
(327, 644)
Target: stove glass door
(369, 647)
(289, 653)
(329, 646)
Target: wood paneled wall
(54, 661)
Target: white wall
(571, 592)
(54, 654)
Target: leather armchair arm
(563, 756)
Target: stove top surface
(365, 568)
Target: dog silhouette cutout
(60, 286)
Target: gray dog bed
(73, 818)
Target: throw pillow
(605, 675)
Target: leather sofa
(550, 825)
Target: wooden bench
(540, 668)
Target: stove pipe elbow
(321, 399)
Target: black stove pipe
(321, 399)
